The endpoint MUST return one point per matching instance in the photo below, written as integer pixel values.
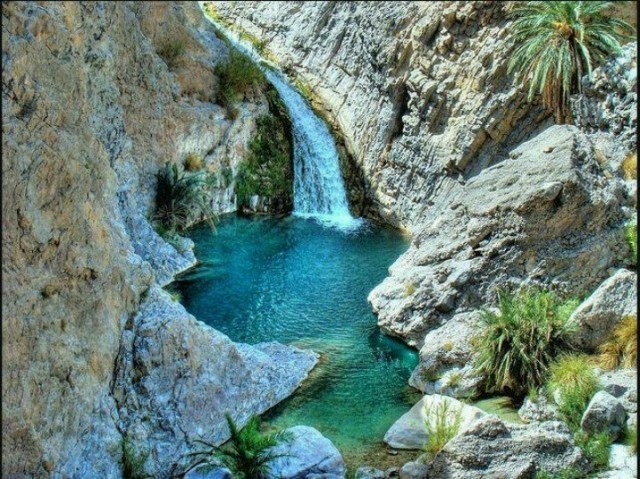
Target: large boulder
(595, 318)
(308, 454)
(491, 448)
(445, 358)
(604, 413)
(410, 432)
(623, 384)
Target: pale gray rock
(170, 390)
(623, 463)
(308, 455)
(604, 413)
(493, 448)
(539, 410)
(596, 317)
(212, 473)
(410, 432)
(413, 470)
(445, 358)
(369, 473)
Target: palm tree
(558, 43)
(248, 452)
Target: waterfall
(318, 187)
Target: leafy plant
(267, 169)
(193, 162)
(622, 348)
(237, 76)
(519, 342)
(572, 381)
(182, 199)
(247, 454)
(132, 461)
(170, 51)
(558, 42)
(443, 423)
(631, 233)
(595, 447)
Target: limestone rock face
(410, 432)
(535, 216)
(308, 455)
(596, 317)
(94, 104)
(491, 448)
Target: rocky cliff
(97, 96)
(421, 93)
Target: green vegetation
(247, 454)
(519, 342)
(631, 439)
(572, 381)
(171, 51)
(237, 76)
(622, 348)
(560, 42)
(181, 200)
(132, 461)
(595, 448)
(631, 233)
(193, 162)
(454, 378)
(630, 166)
(267, 169)
(443, 423)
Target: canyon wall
(421, 93)
(97, 97)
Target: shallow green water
(297, 282)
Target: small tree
(560, 42)
(247, 454)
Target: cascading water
(318, 188)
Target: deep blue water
(298, 282)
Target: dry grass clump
(621, 350)
(193, 162)
(630, 166)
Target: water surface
(295, 281)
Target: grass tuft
(171, 51)
(631, 233)
(443, 423)
(621, 350)
(595, 448)
(519, 342)
(237, 76)
(573, 380)
(132, 461)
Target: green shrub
(247, 454)
(182, 199)
(595, 448)
(442, 423)
(559, 42)
(132, 461)
(631, 233)
(518, 343)
(573, 380)
(171, 51)
(622, 347)
(267, 169)
(237, 76)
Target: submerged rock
(410, 432)
(308, 454)
(493, 448)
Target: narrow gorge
(333, 216)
